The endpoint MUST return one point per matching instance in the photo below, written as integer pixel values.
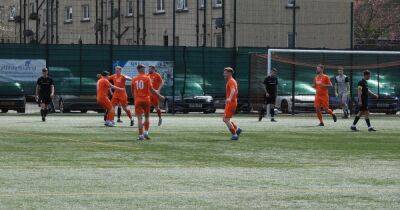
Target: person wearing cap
(120, 98)
(103, 89)
(44, 92)
(157, 83)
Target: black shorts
(363, 106)
(271, 99)
(44, 99)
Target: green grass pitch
(73, 162)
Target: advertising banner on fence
(164, 68)
(21, 70)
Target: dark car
(72, 95)
(12, 96)
(192, 99)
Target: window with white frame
(68, 14)
(129, 8)
(13, 12)
(201, 4)
(160, 6)
(85, 12)
(219, 40)
(217, 3)
(181, 5)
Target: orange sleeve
(328, 81)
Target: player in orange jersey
(103, 90)
(142, 90)
(231, 103)
(321, 85)
(157, 83)
(120, 98)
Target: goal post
(296, 69)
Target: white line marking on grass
(73, 140)
(169, 193)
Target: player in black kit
(271, 84)
(363, 93)
(44, 92)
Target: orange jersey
(103, 88)
(118, 81)
(156, 80)
(231, 85)
(141, 87)
(320, 83)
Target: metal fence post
(173, 52)
(80, 65)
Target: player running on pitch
(120, 98)
(157, 83)
(342, 91)
(103, 90)
(44, 92)
(363, 93)
(321, 84)
(271, 84)
(231, 103)
(141, 90)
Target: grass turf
(75, 162)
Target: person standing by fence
(44, 92)
(271, 87)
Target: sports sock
(262, 112)
(119, 112)
(146, 126)
(159, 112)
(368, 122)
(234, 126)
(110, 115)
(128, 112)
(105, 115)
(356, 119)
(319, 115)
(141, 131)
(42, 112)
(272, 112)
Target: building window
(129, 41)
(160, 6)
(201, 4)
(68, 14)
(219, 40)
(129, 9)
(13, 13)
(85, 13)
(217, 3)
(181, 5)
(32, 8)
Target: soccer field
(73, 161)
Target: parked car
(303, 100)
(71, 95)
(192, 99)
(12, 96)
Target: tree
(376, 20)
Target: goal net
(297, 71)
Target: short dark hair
(105, 73)
(366, 72)
(44, 70)
(321, 66)
(229, 69)
(140, 66)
